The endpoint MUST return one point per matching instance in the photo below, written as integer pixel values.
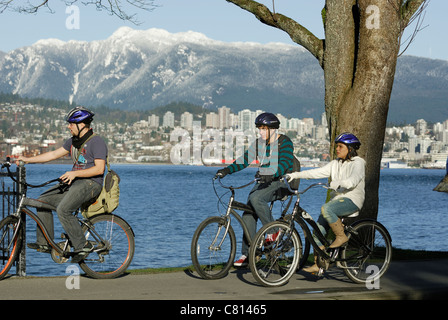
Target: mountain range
(145, 69)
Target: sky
(217, 19)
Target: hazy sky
(217, 19)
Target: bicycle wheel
(368, 252)
(114, 246)
(274, 262)
(306, 245)
(213, 248)
(10, 243)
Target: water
(164, 205)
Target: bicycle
(112, 237)
(213, 246)
(365, 257)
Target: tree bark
(358, 56)
(443, 185)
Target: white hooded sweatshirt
(347, 178)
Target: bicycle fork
(226, 226)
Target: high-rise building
(168, 120)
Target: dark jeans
(260, 199)
(67, 200)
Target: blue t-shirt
(93, 149)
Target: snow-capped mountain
(136, 69)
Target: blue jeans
(67, 199)
(259, 199)
(331, 212)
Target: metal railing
(10, 192)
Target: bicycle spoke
(273, 262)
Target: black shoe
(80, 255)
(39, 247)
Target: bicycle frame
(305, 220)
(233, 205)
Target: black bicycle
(365, 257)
(213, 246)
(111, 236)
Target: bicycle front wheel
(275, 254)
(114, 246)
(368, 253)
(213, 248)
(10, 243)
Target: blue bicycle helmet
(267, 119)
(348, 139)
(79, 115)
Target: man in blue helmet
(275, 153)
(78, 186)
(347, 175)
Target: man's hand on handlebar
(221, 173)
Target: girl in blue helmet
(347, 176)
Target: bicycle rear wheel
(114, 246)
(212, 248)
(368, 252)
(274, 262)
(10, 243)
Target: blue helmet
(348, 139)
(79, 114)
(267, 119)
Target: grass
(397, 255)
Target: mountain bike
(111, 236)
(213, 246)
(365, 257)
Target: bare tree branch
(410, 11)
(296, 31)
(118, 8)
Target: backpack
(294, 184)
(108, 199)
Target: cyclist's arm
(318, 173)
(96, 170)
(244, 161)
(356, 175)
(45, 157)
(286, 156)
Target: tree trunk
(443, 185)
(359, 56)
(359, 63)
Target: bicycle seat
(353, 215)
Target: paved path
(404, 280)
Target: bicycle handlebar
(231, 187)
(322, 184)
(7, 164)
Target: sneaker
(241, 262)
(270, 238)
(80, 255)
(39, 247)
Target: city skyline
(147, 141)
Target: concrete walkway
(403, 280)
